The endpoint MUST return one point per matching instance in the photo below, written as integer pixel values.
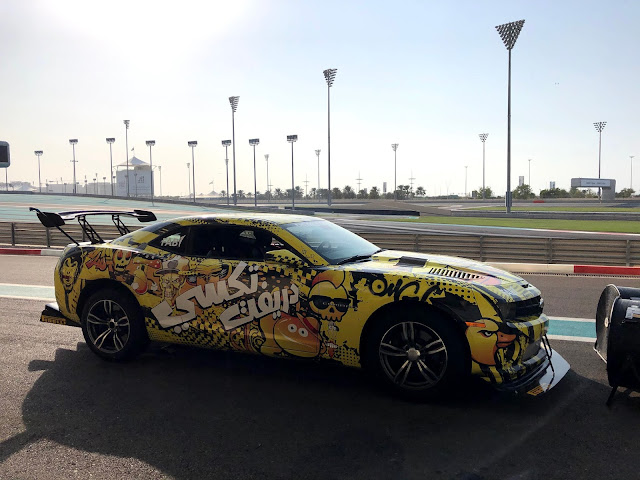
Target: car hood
(399, 262)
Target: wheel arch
(93, 286)
(424, 308)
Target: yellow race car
(301, 287)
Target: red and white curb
(51, 252)
(566, 269)
(510, 267)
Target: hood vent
(447, 272)
(411, 262)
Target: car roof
(272, 218)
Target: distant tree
(576, 193)
(241, 194)
(488, 193)
(313, 193)
(336, 193)
(347, 192)
(223, 194)
(625, 193)
(363, 193)
(374, 194)
(322, 193)
(554, 193)
(278, 193)
(420, 192)
(523, 192)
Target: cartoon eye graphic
(119, 255)
(486, 333)
(292, 328)
(303, 332)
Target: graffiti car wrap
(265, 284)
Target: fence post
(482, 248)
(628, 253)
(48, 237)
(13, 234)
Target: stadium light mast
(483, 139)
(509, 34)
(193, 144)
(329, 75)
(233, 101)
(266, 157)
(292, 139)
(253, 142)
(599, 127)
(151, 143)
(631, 183)
(110, 142)
(73, 142)
(126, 146)
(395, 170)
(39, 154)
(225, 144)
(318, 155)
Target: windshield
(333, 243)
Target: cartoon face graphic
(120, 261)
(170, 280)
(69, 273)
(486, 341)
(297, 335)
(328, 298)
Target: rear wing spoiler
(57, 220)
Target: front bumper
(52, 314)
(543, 378)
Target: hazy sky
(428, 75)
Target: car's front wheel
(419, 355)
(113, 326)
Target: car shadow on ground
(194, 413)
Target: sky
(428, 75)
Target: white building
(139, 178)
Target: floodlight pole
(110, 142)
(509, 33)
(466, 167)
(189, 176)
(126, 146)
(233, 101)
(329, 75)
(193, 144)
(266, 157)
(318, 155)
(253, 142)
(631, 184)
(395, 170)
(599, 127)
(38, 154)
(292, 139)
(73, 142)
(225, 144)
(529, 174)
(483, 139)
(151, 143)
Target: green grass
(552, 224)
(558, 208)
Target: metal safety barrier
(485, 248)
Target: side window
(244, 243)
(175, 241)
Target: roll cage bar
(51, 219)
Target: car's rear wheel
(418, 354)
(113, 326)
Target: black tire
(416, 353)
(113, 325)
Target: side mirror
(284, 256)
